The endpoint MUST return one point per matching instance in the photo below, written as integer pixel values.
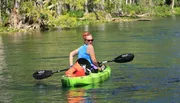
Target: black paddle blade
(42, 74)
(124, 58)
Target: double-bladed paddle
(123, 58)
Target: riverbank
(11, 31)
(32, 16)
(7, 31)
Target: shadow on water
(173, 80)
(42, 85)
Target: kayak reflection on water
(77, 96)
(81, 95)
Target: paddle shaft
(104, 62)
(123, 58)
(47, 73)
(57, 71)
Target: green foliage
(109, 6)
(28, 8)
(4, 19)
(65, 21)
(83, 22)
(90, 17)
(134, 9)
(177, 10)
(161, 11)
(77, 13)
(158, 2)
(79, 4)
(44, 16)
(103, 16)
(7, 30)
(177, 3)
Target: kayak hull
(92, 78)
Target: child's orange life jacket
(75, 71)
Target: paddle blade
(124, 58)
(42, 74)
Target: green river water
(152, 77)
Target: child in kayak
(85, 51)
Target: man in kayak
(85, 51)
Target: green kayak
(92, 78)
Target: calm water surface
(152, 77)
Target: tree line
(40, 14)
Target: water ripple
(173, 80)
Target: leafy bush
(161, 11)
(134, 9)
(29, 9)
(104, 16)
(90, 16)
(6, 30)
(83, 22)
(177, 10)
(65, 21)
(77, 14)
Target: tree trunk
(59, 8)
(0, 13)
(102, 5)
(172, 5)
(118, 6)
(17, 4)
(86, 7)
(150, 3)
(126, 2)
(7, 3)
(164, 1)
(130, 1)
(39, 3)
(14, 18)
